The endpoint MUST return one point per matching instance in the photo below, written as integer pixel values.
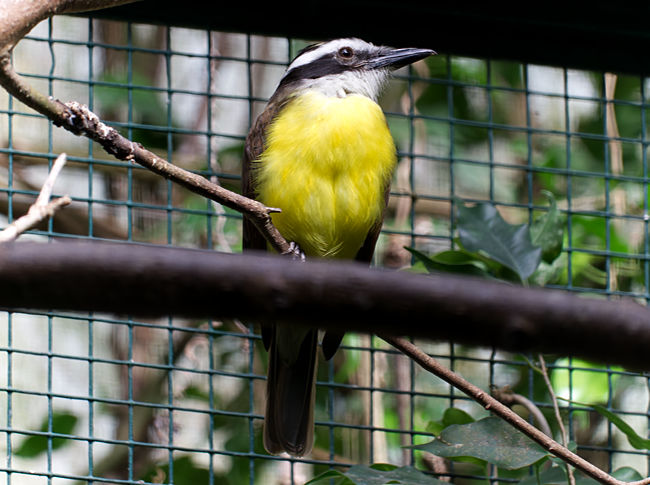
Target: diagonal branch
(41, 209)
(556, 410)
(491, 404)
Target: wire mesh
(98, 398)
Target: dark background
(607, 36)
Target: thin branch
(556, 407)
(491, 404)
(556, 410)
(41, 209)
(48, 186)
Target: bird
(322, 153)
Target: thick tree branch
(156, 281)
(18, 17)
(488, 402)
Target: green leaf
(490, 439)
(456, 416)
(547, 231)
(195, 392)
(62, 423)
(379, 474)
(549, 273)
(482, 229)
(635, 440)
(449, 417)
(555, 475)
(186, 472)
(451, 261)
(329, 474)
(627, 474)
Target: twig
(488, 402)
(41, 209)
(558, 416)
(556, 408)
(46, 191)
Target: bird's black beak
(391, 58)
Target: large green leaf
(62, 423)
(490, 439)
(378, 474)
(482, 229)
(547, 231)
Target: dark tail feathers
(290, 393)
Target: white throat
(364, 83)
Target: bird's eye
(346, 52)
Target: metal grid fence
(98, 398)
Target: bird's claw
(295, 252)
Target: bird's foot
(294, 252)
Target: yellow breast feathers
(326, 164)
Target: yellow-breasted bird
(321, 152)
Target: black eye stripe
(320, 67)
(327, 64)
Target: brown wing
(364, 255)
(253, 148)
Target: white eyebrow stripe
(327, 48)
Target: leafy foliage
(377, 474)
(449, 417)
(186, 472)
(556, 475)
(62, 423)
(547, 232)
(491, 247)
(482, 230)
(491, 440)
